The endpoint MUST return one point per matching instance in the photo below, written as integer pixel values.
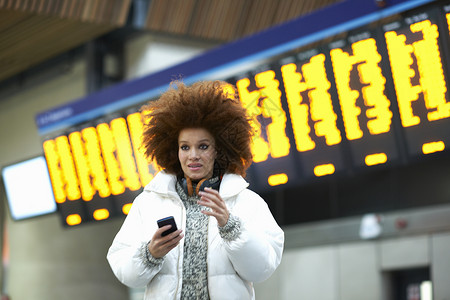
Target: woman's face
(196, 152)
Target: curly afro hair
(211, 105)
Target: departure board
(260, 93)
(97, 170)
(313, 114)
(365, 108)
(419, 75)
(371, 98)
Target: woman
(227, 238)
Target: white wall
(356, 270)
(440, 262)
(148, 54)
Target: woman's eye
(184, 147)
(204, 147)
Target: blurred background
(351, 105)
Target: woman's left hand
(211, 198)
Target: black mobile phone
(167, 221)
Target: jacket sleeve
(257, 252)
(127, 255)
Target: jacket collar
(164, 183)
(231, 185)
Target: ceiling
(34, 31)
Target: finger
(209, 204)
(221, 217)
(158, 240)
(212, 194)
(213, 214)
(172, 243)
(175, 239)
(173, 235)
(216, 209)
(211, 190)
(161, 230)
(215, 206)
(212, 198)
(162, 245)
(169, 239)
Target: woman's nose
(193, 154)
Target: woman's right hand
(159, 246)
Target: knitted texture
(195, 269)
(148, 259)
(232, 229)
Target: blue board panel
(340, 17)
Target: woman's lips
(194, 167)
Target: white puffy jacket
(232, 265)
